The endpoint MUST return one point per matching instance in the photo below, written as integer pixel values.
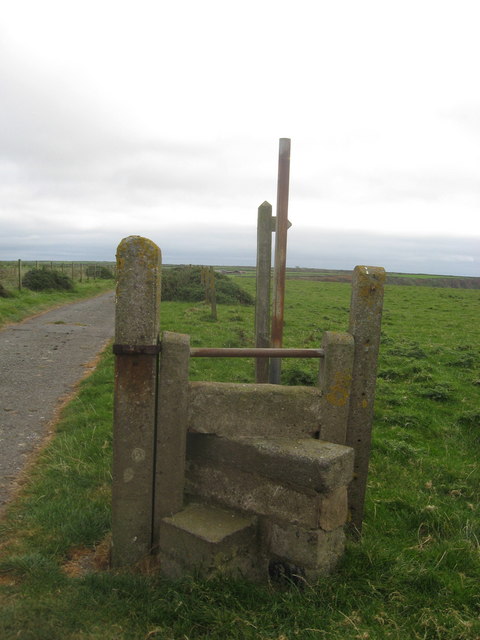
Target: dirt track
(41, 360)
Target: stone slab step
(207, 539)
(304, 463)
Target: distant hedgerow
(184, 284)
(46, 280)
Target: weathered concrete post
(365, 322)
(280, 255)
(172, 417)
(262, 298)
(336, 381)
(136, 338)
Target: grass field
(416, 572)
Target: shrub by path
(42, 359)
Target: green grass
(416, 572)
(25, 303)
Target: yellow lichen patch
(368, 280)
(339, 392)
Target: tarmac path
(41, 360)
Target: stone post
(262, 298)
(365, 322)
(136, 338)
(335, 381)
(172, 416)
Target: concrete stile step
(209, 539)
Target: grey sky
(163, 119)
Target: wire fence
(13, 271)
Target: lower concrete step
(207, 539)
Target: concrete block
(231, 409)
(309, 548)
(300, 463)
(209, 540)
(333, 509)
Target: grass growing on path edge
(26, 303)
(414, 575)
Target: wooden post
(207, 278)
(262, 297)
(280, 255)
(136, 330)
(365, 322)
(212, 294)
(19, 274)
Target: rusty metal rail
(255, 353)
(220, 352)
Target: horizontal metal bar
(153, 349)
(136, 349)
(256, 353)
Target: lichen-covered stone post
(136, 338)
(335, 381)
(365, 322)
(172, 417)
(262, 298)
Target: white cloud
(145, 117)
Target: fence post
(365, 322)
(212, 294)
(335, 381)
(262, 297)
(136, 325)
(19, 274)
(172, 410)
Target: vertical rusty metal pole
(262, 298)
(280, 254)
